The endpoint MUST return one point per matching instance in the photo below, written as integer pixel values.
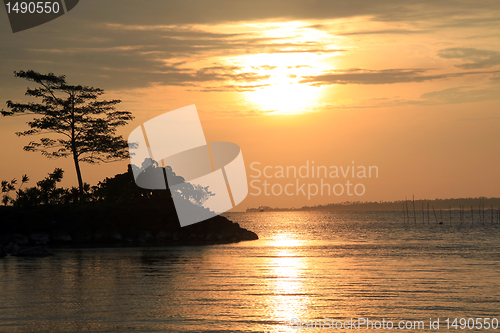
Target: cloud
(476, 58)
(161, 12)
(234, 88)
(265, 67)
(118, 44)
(364, 76)
(137, 56)
(460, 95)
(237, 113)
(385, 32)
(385, 76)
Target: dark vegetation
(114, 212)
(71, 121)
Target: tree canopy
(81, 126)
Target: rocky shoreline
(38, 244)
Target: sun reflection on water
(287, 294)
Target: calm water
(307, 265)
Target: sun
(273, 78)
(285, 97)
(282, 91)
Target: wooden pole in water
(435, 216)
(404, 208)
(428, 216)
(414, 216)
(479, 212)
(491, 214)
(441, 214)
(404, 212)
(423, 213)
(482, 212)
(407, 212)
(471, 215)
(482, 215)
(449, 208)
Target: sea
(308, 272)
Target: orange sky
(410, 87)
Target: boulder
(35, 251)
(116, 236)
(245, 234)
(61, 236)
(101, 236)
(18, 239)
(163, 236)
(83, 237)
(11, 248)
(40, 238)
(177, 236)
(145, 237)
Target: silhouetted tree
(11, 186)
(87, 126)
(122, 187)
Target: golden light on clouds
(282, 92)
(285, 98)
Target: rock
(41, 238)
(83, 237)
(248, 235)
(177, 236)
(35, 251)
(60, 236)
(2, 252)
(163, 236)
(116, 236)
(145, 237)
(101, 235)
(18, 239)
(11, 248)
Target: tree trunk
(75, 153)
(78, 174)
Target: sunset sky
(411, 87)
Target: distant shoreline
(454, 203)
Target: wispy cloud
(460, 95)
(233, 88)
(385, 32)
(476, 58)
(386, 76)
